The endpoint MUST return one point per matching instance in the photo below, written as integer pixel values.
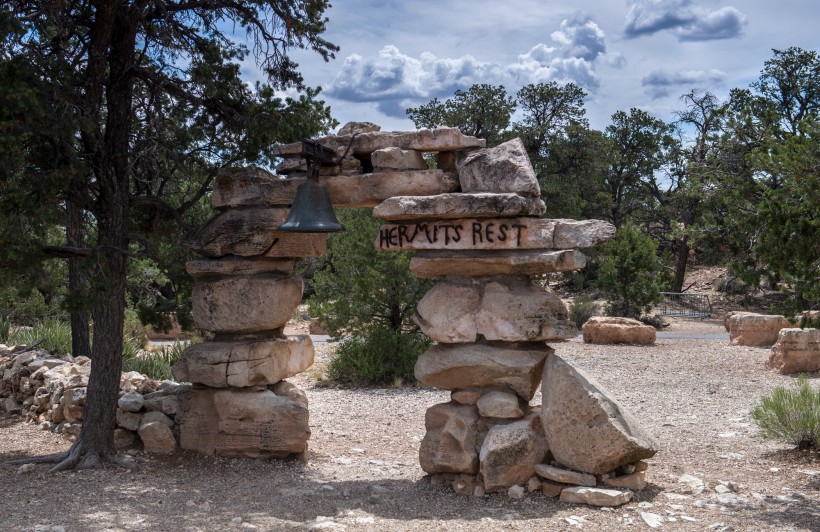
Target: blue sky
(625, 53)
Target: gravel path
(363, 473)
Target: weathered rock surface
(586, 430)
(755, 329)
(449, 445)
(615, 330)
(564, 476)
(581, 233)
(243, 364)
(431, 264)
(391, 159)
(510, 452)
(251, 232)
(504, 168)
(796, 351)
(595, 496)
(468, 234)
(634, 481)
(243, 186)
(238, 267)
(131, 402)
(370, 190)
(458, 205)
(236, 422)
(514, 366)
(157, 438)
(357, 128)
(501, 405)
(245, 304)
(508, 309)
(425, 140)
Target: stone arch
(476, 226)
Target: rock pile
(51, 392)
(491, 322)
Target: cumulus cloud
(686, 20)
(661, 83)
(395, 80)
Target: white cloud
(660, 83)
(689, 22)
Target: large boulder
(586, 430)
(614, 330)
(516, 367)
(242, 422)
(759, 330)
(504, 168)
(245, 304)
(449, 445)
(796, 351)
(507, 309)
(244, 363)
(510, 453)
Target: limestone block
(245, 304)
(796, 351)
(251, 232)
(586, 430)
(564, 476)
(244, 363)
(157, 438)
(458, 205)
(388, 159)
(369, 190)
(131, 402)
(357, 128)
(595, 496)
(242, 186)
(502, 405)
(424, 140)
(504, 168)
(614, 330)
(237, 422)
(512, 310)
(516, 367)
(509, 453)
(431, 264)
(582, 233)
(238, 267)
(449, 445)
(755, 329)
(468, 234)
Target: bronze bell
(312, 211)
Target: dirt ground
(363, 474)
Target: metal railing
(685, 305)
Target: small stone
(26, 468)
(595, 496)
(516, 492)
(635, 481)
(131, 402)
(689, 484)
(551, 489)
(157, 437)
(564, 476)
(721, 489)
(533, 484)
(465, 397)
(128, 420)
(499, 405)
(652, 520)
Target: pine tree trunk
(681, 260)
(80, 333)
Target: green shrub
(5, 330)
(581, 309)
(791, 415)
(55, 336)
(156, 364)
(380, 357)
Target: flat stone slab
(564, 476)
(245, 186)
(432, 264)
(424, 140)
(595, 496)
(244, 364)
(238, 267)
(617, 330)
(516, 367)
(457, 205)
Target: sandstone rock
(468, 234)
(551, 489)
(504, 168)
(425, 140)
(457, 205)
(238, 267)
(516, 492)
(388, 159)
(586, 430)
(251, 232)
(245, 304)
(131, 402)
(357, 128)
(614, 330)
(243, 364)
(501, 405)
(465, 397)
(581, 233)
(595, 496)
(157, 417)
(449, 445)
(157, 438)
(370, 190)
(237, 422)
(755, 329)
(635, 481)
(516, 367)
(124, 438)
(291, 391)
(243, 186)
(73, 403)
(564, 476)
(128, 420)
(533, 484)
(508, 309)
(509, 453)
(796, 351)
(430, 264)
